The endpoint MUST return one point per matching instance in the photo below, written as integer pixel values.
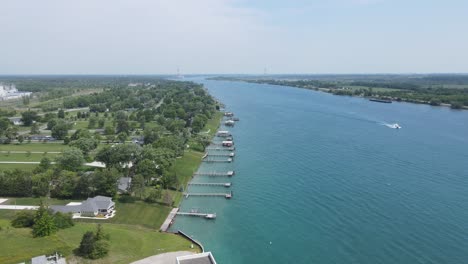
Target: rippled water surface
(326, 179)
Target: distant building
(16, 121)
(9, 91)
(202, 258)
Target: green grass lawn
(36, 201)
(37, 146)
(127, 243)
(138, 213)
(213, 124)
(26, 167)
(25, 157)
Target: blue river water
(325, 179)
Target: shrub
(23, 219)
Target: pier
(232, 154)
(168, 222)
(224, 184)
(218, 161)
(207, 216)
(225, 195)
(215, 173)
(221, 149)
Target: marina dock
(207, 216)
(221, 149)
(215, 173)
(225, 195)
(232, 154)
(218, 161)
(168, 222)
(224, 184)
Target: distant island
(433, 89)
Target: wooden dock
(221, 149)
(225, 195)
(207, 216)
(215, 173)
(169, 220)
(217, 161)
(224, 184)
(231, 154)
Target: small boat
(210, 216)
(381, 100)
(397, 126)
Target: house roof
(90, 205)
(124, 183)
(201, 258)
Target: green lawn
(37, 146)
(127, 243)
(36, 201)
(27, 167)
(213, 124)
(138, 213)
(25, 156)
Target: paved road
(164, 258)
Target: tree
(23, 219)
(45, 164)
(109, 130)
(167, 198)
(65, 185)
(101, 122)
(63, 221)
(41, 184)
(60, 130)
(4, 125)
(71, 159)
(61, 114)
(44, 224)
(138, 186)
(85, 144)
(20, 139)
(35, 129)
(28, 117)
(94, 245)
(92, 122)
(147, 168)
(51, 123)
(154, 195)
(105, 182)
(122, 137)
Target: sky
(233, 36)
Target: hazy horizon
(145, 37)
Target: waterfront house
(99, 206)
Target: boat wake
(394, 126)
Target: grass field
(127, 243)
(46, 147)
(138, 213)
(25, 156)
(213, 124)
(36, 201)
(26, 167)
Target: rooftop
(202, 258)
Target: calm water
(325, 181)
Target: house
(99, 206)
(16, 121)
(123, 184)
(227, 143)
(201, 258)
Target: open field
(37, 146)
(26, 167)
(138, 213)
(127, 243)
(25, 156)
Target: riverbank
(401, 89)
